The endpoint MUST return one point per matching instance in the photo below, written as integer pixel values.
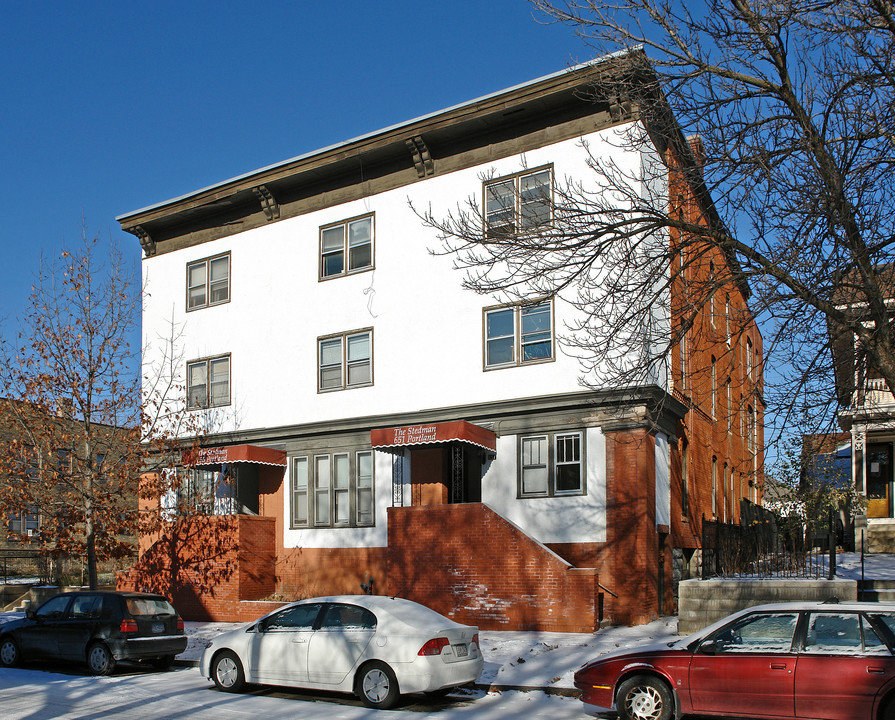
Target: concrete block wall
(703, 602)
(473, 565)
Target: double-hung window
(551, 464)
(24, 522)
(346, 247)
(208, 282)
(519, 203)
(345, 360)
(208, 382)
(518, 334)
(332, 490)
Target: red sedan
(823, 661)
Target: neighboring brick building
(395, 431)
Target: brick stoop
(213, 568)
(475, 566)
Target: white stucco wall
(427, 330)
(572, 518)
(663, 480)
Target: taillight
(180, 624)
(434, 646)
(129, 625)
(475, 639)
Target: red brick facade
(209, 566)
(469, 563)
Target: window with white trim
(518, 335)
(208, 282)
(346, 247)
(551, 464)
(518, 203)
(332, 490)
(208, 382)
(345, 360)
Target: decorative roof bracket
(422, 159)
(146, 242)
(268, 203)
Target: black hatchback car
(97, 628)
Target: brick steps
(470, 563)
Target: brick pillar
(632, 540)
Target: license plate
(158, 627)
(461, 650)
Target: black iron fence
(766, 545)
(23, 565)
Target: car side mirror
(708, 648)
(30, 614)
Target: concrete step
(876, 590)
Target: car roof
(114, 593)
(802, 606)
(394, 613)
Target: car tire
(99, 659)
(227, 672)
(9, 652)
(644, 697)
(887, 713)
(377, 686)
(162, 663)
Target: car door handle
(299, 640)
(778, 666)
(876, 670)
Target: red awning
(236, 454)
(455, 431)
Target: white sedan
(374, 646)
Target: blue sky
(109, 107)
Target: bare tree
(792, 103)
(78, 432)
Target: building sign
(416, 435)
(454, 431)
(211, 456)
(204, 457)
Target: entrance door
(448, 473)
(879, 480)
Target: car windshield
(149, 606)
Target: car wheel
(9, 652)
(644, 698)
(163, 662)
(99, 659)
(888, 711)
(226, 671)
(377, 686)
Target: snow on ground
(876, 567)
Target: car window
(149, 606)
(299, 617)
(764, 633)
(54, 607)
(841, 634)
(887, 619)
(85, 607)
(350, 617)
(873, 643)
